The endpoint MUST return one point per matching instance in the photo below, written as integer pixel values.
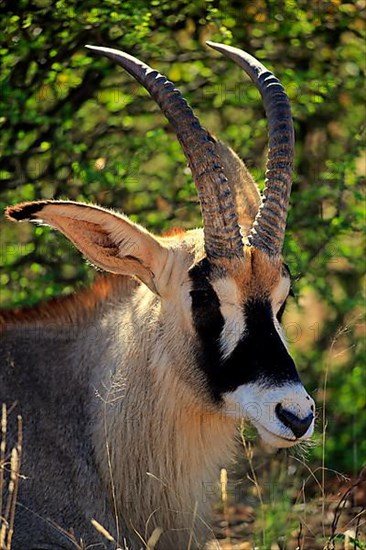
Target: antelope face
(236, 313)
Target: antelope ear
(243, 187)
(109, 240)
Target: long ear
(243, 187)
(109, 240)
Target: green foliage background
(75, 126)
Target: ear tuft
(24, 211)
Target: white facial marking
(257, 403)
(280, 293)
(230, 305)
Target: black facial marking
(286, 270)
(207, 316)
(259, 354)
(281, 311)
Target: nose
(299, 426)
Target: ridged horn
(220, 221)
(268, 230)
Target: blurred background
(75, 126)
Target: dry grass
(285, 507)
(10, 461)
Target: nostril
(299, 426)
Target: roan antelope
(131, 391)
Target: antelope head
(221, 291)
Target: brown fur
(174, 232)
(256, 276)
(75, 308)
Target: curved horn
(220, 221)
(268, 230)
